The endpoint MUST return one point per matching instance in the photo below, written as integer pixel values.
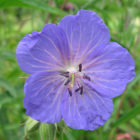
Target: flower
(75, 71)
(69, 6)
(125, 136)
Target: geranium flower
(75, 71)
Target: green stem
(117, 115)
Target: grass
(17, 18)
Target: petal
(24, 59)
(43, 94)
(44, 51)
(88, 111)
(111, 70)
(86, 32)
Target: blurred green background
(19, 17)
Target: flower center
(74, 76)
(72, 69)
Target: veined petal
(24, 59)
(85, 32)
(88, 111)
(111, 70)
(43, 95)
(44, 51)
(57, 37)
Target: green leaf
(36, 4)
(68, 134)
(8, 101)
(7, 86)
(136, 79)
(10, 127)
(7, 55)
(47, 131)
(65, 131)
(128, 116)
(30, 126)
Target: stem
(117, 115)
(120, 105)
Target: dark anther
(86, 77)
(78, 89)
(80, 67)
(67, 82)
(70, 92)
(81, 90)
(65, 74)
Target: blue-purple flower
(75, 71)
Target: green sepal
(31, 126)
(47, 131)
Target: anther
(81, 92)
(67, 82)
(77, 89)
(65, 74)
(80, 67)
(86, 77)
(70, 92)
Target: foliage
(19, 17)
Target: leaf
(10, 127)
(47, 131)
(65, 130)
(68, 134)
(31, 125)
(6, 85)
(90, 3)
(7, 55)
(128, 116)
(8, 101)
(136, 79)
(36, 4)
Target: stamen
(65, 74)
(70, 92)
(72, 76)
(81, 92)
(77, 89)
(67, 82)
(86, 77)
(80, 67)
